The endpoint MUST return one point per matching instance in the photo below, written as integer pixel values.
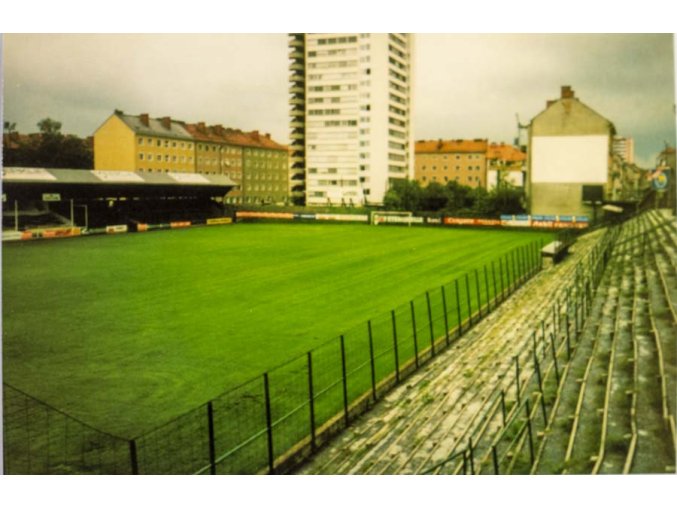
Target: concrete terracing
(431, 414)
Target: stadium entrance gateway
(41, 202)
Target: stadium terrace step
(436, 411)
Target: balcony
(295, 101)
(297, 54)
(297, 136)
(297, 123)
(296, 41)
(297, 113)
(297, 90)
(297, 77)
(297, 67)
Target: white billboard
(569, 159)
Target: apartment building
(569, 158)
(139, 143)
(255, 162)
(506, 165)
(459, 160)
(624, 147)
(350, 116)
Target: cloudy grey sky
(466, 86)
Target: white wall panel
(569, 159)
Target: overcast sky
(465, 86)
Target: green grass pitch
(126, 332)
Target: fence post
(345, 379)
(311, 401)
(371, 362)
(543, 336)
(537, 367)
(212, 450)
(413, 325)
(567, 324)
(517, 378)
(520, 264)
(446, 318)
(486, 288)
(479, 298)
(430, 323)
(578, 293)
(503, 409)
(554, 356)
(458, 309)
(133, 458)
(467, 293)
(472, 456)
(493, 278)
(269, 424)
(508, 275)
(500, 269)
(397, 358)
(514, 271)
(495, 459)
(531, 438)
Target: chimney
(567, 92)
(144, 119)
(166, 122)
(201, 126)
(550, 103)
(267, 135)
(119, 112)
(255, 134)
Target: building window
(159, 143)
(140, 156)
(140, 140)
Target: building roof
(451, 146)
(505, 152)
(167, 127)
(161, 127)
(567, 115)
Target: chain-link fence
(271, 423)
(39, 439)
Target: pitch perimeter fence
(273, 422)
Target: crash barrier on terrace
(276, 420)
(590, 390)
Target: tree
(403, 195)
(458, 196)
(434, 197)
(49, 127)
(50, 148)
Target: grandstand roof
(89, 184)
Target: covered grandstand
(41, 202)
